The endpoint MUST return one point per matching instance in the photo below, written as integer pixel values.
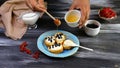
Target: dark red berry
(36, 55)
(28, 51)
(22, 46)
(22, 49)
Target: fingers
(84, 16)
(41, 2)
(88, 13)
(38, 5)
(33, 3)
(72, 7)
(39, 8)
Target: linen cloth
(9, 18)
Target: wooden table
(106, 44)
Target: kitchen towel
(9, 18)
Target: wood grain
(106, 44)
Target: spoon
(56, 21)
(71, 43)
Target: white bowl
(92, 31)
(106, 18)
(75, 13)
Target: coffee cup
(92, 27)
(72, 18)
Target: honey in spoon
(57, 22)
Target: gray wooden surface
(106, 44)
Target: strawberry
(107, 12)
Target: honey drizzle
(57, 28)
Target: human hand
(84, 7)
(38, 5)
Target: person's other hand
(38, 5)
(84, 7)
